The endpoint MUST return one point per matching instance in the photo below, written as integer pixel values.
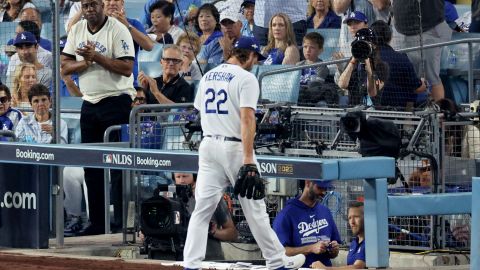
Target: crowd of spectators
(99, 61)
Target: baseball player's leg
(255, 212)
(208, 192)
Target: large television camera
(274, 126)
(362, 45)
(164, 222)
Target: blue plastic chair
(282, 87)
(330, 45)
(151, 69)
(155, 55)
(134, 9)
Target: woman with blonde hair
(10, 9)
(25, 76)
(282, 47)
(190, 45)
(321, 15)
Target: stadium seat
(45, 9)
(282, 87)
(330, 44)
(7, 31)
(151, 69)
(155, 55)
(47, 31)
(134, 9)
(461, 52)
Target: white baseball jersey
(114, 41)
(221, 93)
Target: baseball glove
(249, 183)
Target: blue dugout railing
(375, 171)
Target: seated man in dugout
(356, 252)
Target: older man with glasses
(170, 87)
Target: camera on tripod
(164, 222)
(362, 45)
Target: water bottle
(452, 59)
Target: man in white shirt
(100, 49)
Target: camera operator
(401, 88)
(222, 227)
(365, 73)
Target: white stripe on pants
(219, 162)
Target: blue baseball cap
(249, 43)
(326, 184)
(25, 38)
(245, 2)
(356, 16)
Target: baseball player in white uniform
(227, 98)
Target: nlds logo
(119, 159)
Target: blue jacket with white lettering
(300, 225)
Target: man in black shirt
(432, 28)
(170, 87)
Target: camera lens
(361, 49)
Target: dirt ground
(9, 261)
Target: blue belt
(225, 138)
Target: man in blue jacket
(305, 226)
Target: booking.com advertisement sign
(24, 205)
(146, 159)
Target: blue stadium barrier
(379, 206)
(282, 87)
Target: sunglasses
(4, 99)
(140, 100)
(172, 60)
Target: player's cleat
(293, 262)
(73, 226)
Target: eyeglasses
(140, 100)
(4, 99)
(172, 60)
(43, 100)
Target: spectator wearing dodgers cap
(26, 46)
(356, 21)
(219, 50)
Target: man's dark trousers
(94, 120)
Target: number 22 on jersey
(215, 101)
